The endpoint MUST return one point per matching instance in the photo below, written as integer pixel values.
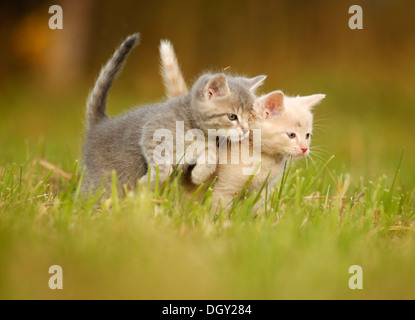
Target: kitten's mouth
(297, 156)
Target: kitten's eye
(291, 135)
(308, 135)
(232, 117)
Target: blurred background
(304, 47)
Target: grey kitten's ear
(311, 101)
(270, 104)
(255, 82)
(216, 87)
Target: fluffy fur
(95, 109)
(286, 128)
(126, 143)
(170, 71)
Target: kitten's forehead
(243, 98)
(299, 119)
(240, 100)
(292, 119)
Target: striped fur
(97, 100)
(128, 144)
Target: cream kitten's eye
(308, 135)
(232, 117)
(291, 135)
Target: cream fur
(275, 115)
(170, 71)
(292, 115)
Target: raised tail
(97, 100)
(170, 71)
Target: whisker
(321, 152)
(315, 166)
(320, 146)
(319, 157)
(222, 140)
(317, 148)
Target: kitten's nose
(304, 150)
(245, 131)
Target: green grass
(322, 218)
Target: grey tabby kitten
(126, 144)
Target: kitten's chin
(237, 138)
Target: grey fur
(125, 143)
(95, 110)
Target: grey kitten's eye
(308, 135)
(232, 117)
(291, 135)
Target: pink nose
(304, 150)
(245, 131)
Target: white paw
(201, 173)
(164, 173)
(144, 180)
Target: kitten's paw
(201, 173)
(163, 175)
(144, 179)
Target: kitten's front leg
(164, 172)
(205, 164)
(160, 162)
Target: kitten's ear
(311, 101)
(216, 87)
(270, 104)
(255, 82)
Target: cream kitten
(286, 125)
(286, 128)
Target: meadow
(352, 203)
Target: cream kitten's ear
(311, 101)
(270, 104)
(216, 87)
(255, 82)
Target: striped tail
(170, 71)
(97, 100)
